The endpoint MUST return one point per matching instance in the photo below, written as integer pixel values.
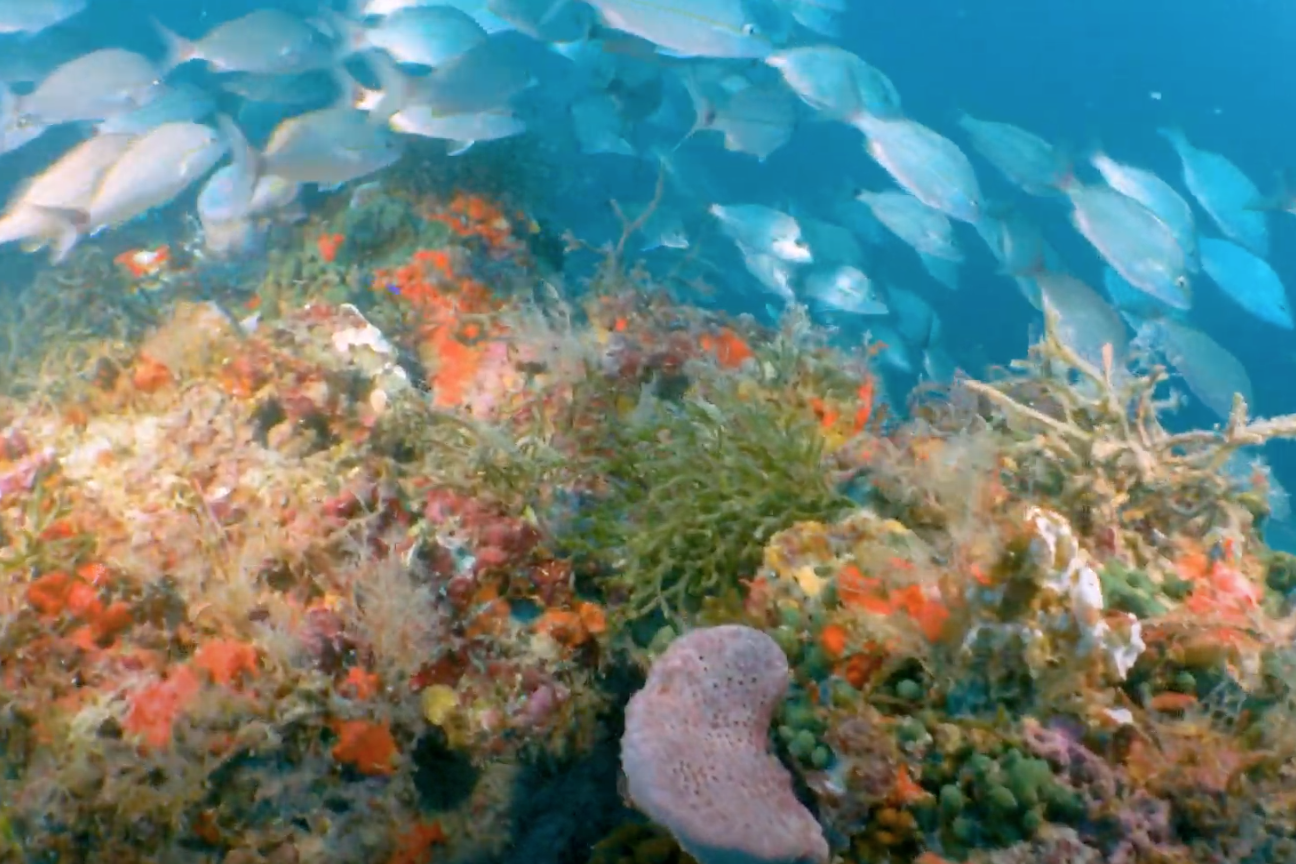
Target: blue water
(1074, 73)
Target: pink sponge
(696, 751)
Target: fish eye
(749, 30)
(1181, 281)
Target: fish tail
(178, 50)
(394, 88)
(1174, 135)
(1281, 199)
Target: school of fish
(641, 79)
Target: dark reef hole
(444, 777)
(562, 807)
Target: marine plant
(690, 490)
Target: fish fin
(178, 50)
(71, 225)
(1175, 136)
(1093, 149)
(819, 17)
(348, 36)
(394, 88)
(704, 109)
(1032, 269)
(566, 50)
(455, 148)
(1281, 199)
(998, 209)
(74, 217)
(245, 158)
(351, 94)
(1067, 154)
(548, 17)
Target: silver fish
(16, 130)
(1158, 196)
(329, 146)
(1248, 280)
(1223, 191)
(598, 125)
(1211, 372)
(480, 10)
(1136, 306)
(913, 316)
(40, 210)
(1086, 322)
(735, 29)
(93, 87)
(943, 270)
(316, 86)
(836, 83)
(763, 230)
(843, 289)
(157, 167)
(227, 194)
(1027, 160)
(929, 166)
(818, 16)
(1131, 238)
(773, 273)
(421, 35)
(926, 230)
(829, 244)
(175, 103)
(265, 41)
(484, 78)
(757, 120)
(33, 16)
(462, 130)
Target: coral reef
(359, 556)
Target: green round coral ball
(909, 690)
(802, 745)
(952, 800)
(1002, 797)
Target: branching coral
(1094, 439)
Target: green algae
(1130, 590)
(694, 490)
